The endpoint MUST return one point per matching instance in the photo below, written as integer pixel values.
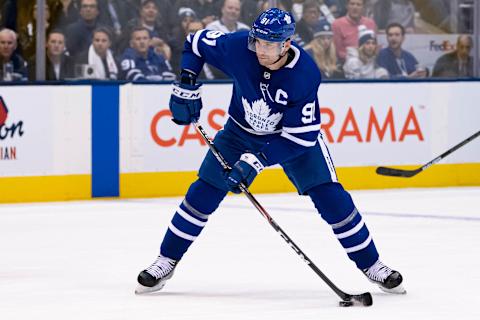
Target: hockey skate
(387, 279)
(154, 277)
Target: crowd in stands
(143, 39)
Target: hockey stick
(347, 299)
(392, 172)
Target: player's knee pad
(332, 202)
(204, 197)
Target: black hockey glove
(185, 101)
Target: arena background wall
(69, 142)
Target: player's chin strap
(364, 298)
(288, 52)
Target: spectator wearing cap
(180, 31)
(361, 61)
(99, 56)
(59, 65)
(12, 66)
(310, 17)
(322, 50)
(399, 62)
(141, 62)
(149, 18)
(79, 34)
(229, 21)
(345, 29)
(207, 10)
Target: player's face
(394, 37)
(267, 51)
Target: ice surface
(79, 260)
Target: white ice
(80, 260)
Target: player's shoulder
(302, 65)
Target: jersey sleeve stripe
(314, 127)
(299, 141)
(196, 37)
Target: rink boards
(108, 140)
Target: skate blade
(145, 290)
(397, 290)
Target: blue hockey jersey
(154, 67)
(281, 107)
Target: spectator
(250, 11)
(12, 66)
(361, 62)
(457, 63)
(310, 17)
(345, 29)
(115, 14)
(228, 22)
(165, 8)
(285, 5)
(141, 62)
(79, 34)
(186, 16)
(149, 19)
(297, 9)
(59, 65)
(399, 11)
(398, 62)
(99, 56)
(206, 10)
(322, 50)
(27, 38)
(9, 15)
(64, 13)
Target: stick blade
(364, 299)
(392, 172)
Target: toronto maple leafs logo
(258, 115)
(287, 19)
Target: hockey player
(274, 118)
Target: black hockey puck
(367, 299)
(345, 303)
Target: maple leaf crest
(258, 115)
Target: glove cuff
(187, 92)
(253, 161)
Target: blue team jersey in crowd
(154, 67)
(278, 106)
